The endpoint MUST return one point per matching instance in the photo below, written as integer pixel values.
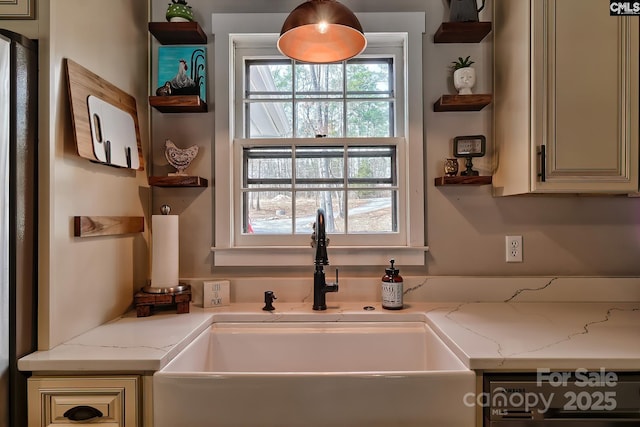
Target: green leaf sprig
(462, 63)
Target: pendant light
(321, 31)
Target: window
(303, 136)
(283, 186)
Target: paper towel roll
(165, 253)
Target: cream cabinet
(112, 401)
(565, 98)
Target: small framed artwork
(17, 9)
(469, 146)
(182, 70)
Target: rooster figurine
(179, 158)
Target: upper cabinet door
(577, 108)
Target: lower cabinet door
(77, 401)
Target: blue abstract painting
(182, 70)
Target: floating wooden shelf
(462, 32)
(178, 32)
(462, 102)
(177, 181)
(178, 104)
(462, 180)
(91, 226)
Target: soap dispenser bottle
(392, 288)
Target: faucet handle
(332, 287)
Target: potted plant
(179, 11)
(464, 75)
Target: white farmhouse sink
(290, 374)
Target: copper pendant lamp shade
(321, 31)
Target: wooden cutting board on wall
(105, 119)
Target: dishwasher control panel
(561, 398)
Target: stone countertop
(128, 343)
(515, 336)
(486, 336)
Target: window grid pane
(370, 78)
(321, 80)
(319, 119)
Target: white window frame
(389, 46)
(230, 29)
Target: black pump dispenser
(392, 292)
(392, 271)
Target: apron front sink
(314, 374)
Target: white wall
(566, 235)
(92, 279)
(86, 282)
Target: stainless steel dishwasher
(550, 398)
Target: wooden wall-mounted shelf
(462, 180)
(178, 181)
(178, 32)
(462, 102)
(178, 104)
(462, 32)
(91, 226)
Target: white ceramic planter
(464, 79)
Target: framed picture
(182, 70)
(17, 9)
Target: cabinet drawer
(78, 401)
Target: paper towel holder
(151, 297)
(181, 287)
